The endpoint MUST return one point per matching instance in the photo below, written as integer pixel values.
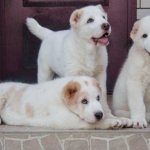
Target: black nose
(105, 26)
(98, 115)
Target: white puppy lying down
(131, 97)
(71, 102)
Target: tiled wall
(143, 8)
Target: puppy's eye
(90, 20)
(104, 17)
(98, 98)
(84, 101)
(144, 35)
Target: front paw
(109, 123)
(123, 122)
(115, 123)
(126, 122)
(139, 123)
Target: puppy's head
(140, 33)
(90, 23)
(82, 96)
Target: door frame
(2, 35)
(64, 3)
(132, 14)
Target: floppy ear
(70, 91)
(75, 17)
(100, 7)
(134, 30)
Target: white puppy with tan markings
(131, 97)
(65, 103)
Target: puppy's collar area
(101, 40)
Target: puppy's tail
(36, 29)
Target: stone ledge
(26, 129)
(31, 138)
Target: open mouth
(102, 40)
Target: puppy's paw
(139, 123)
(109, 123)
(126, 122)
(116, 123)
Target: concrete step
(31, 138)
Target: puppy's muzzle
(98, 115)
(105, 26)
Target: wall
(143, 8)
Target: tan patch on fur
(99, 69)
(70, 92)
(29, 110)
(96, 84)
(134, 30)
(14, 96)
(75, 17)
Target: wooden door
(19, 49)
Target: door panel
(52, 3)
(2, 37)
(19, 49)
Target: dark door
(19, 49)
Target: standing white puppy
(81, 50)
(131, 97)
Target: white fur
(46, 105)
(131, 97)
(74, 52)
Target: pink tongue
(103, 41)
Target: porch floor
(33, 138)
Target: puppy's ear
(75, 17)
(134, 30)
(70, 91)
(100, 7)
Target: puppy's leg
(102, 80)
(108, 114)
(148, 117)
(44, 73)
(122, 113)
(136, 103)
(2, 103)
